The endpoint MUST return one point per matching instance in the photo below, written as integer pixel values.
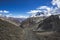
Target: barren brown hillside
(9, 31)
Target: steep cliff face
(9, 31)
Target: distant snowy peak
(41, 14)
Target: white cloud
(4, 11)
(9, 15)
(45, 8)
(56, 10)
(56, 2)
(34, 11)
(1, 11)
(48, 10)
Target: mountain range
(32, 28)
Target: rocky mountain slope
(13, 20)
(44, 29)
(9, 31)
(31, 21)
(49, 29)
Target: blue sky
(21, 7)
